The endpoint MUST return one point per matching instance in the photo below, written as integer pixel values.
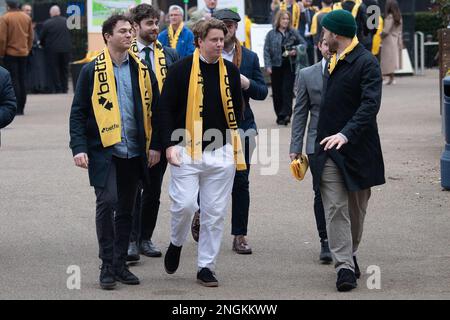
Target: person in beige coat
(391, 41)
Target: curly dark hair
(144, 11)
(110, 23)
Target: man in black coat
(56, 41)
(146, 24)
(254, 87)
(349, 156)
(115, 167)
(7, 99)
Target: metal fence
(420, 52)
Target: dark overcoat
(350, 104)
(7, 99)
(84, 132)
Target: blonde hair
(280, 14)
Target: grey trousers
(344, 213)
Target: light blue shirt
(129, 146)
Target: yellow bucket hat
(299, 167)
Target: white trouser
(213, 177)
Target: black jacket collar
(355, 53)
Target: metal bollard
(445, 158)
(419, 45)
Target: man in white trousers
(201, 102)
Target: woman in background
(279, 60)
(391, 41)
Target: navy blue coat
(7, 99)
(257, 90)
(84, 132)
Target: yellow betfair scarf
(377, 38)
(105, 102)
(338, 6)
(295, 13)
(334, 61)
(194, 122)
(159, 59)
(174, 36)
(314, 20)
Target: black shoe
(107, 279)
(148, 249)
(346, 280)
(357, 271)
(172, 258)
(325, 254)
(206, 278)
(286, 120)
(133, 252)
(280, 121)
(126, 277)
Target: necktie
(147, 57)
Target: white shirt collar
(324, 65)
(232, 50)
(141, 46)
(206, 61)
(229, 55)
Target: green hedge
(428, 23)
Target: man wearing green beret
(348, 150)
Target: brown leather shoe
(241, 246)
(195, 226)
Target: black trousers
(319, 212)
(17, 67)
(58, 70)
(283, 89)
(115, 204)
(310, 51)
(147, 203)
(241, 193)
